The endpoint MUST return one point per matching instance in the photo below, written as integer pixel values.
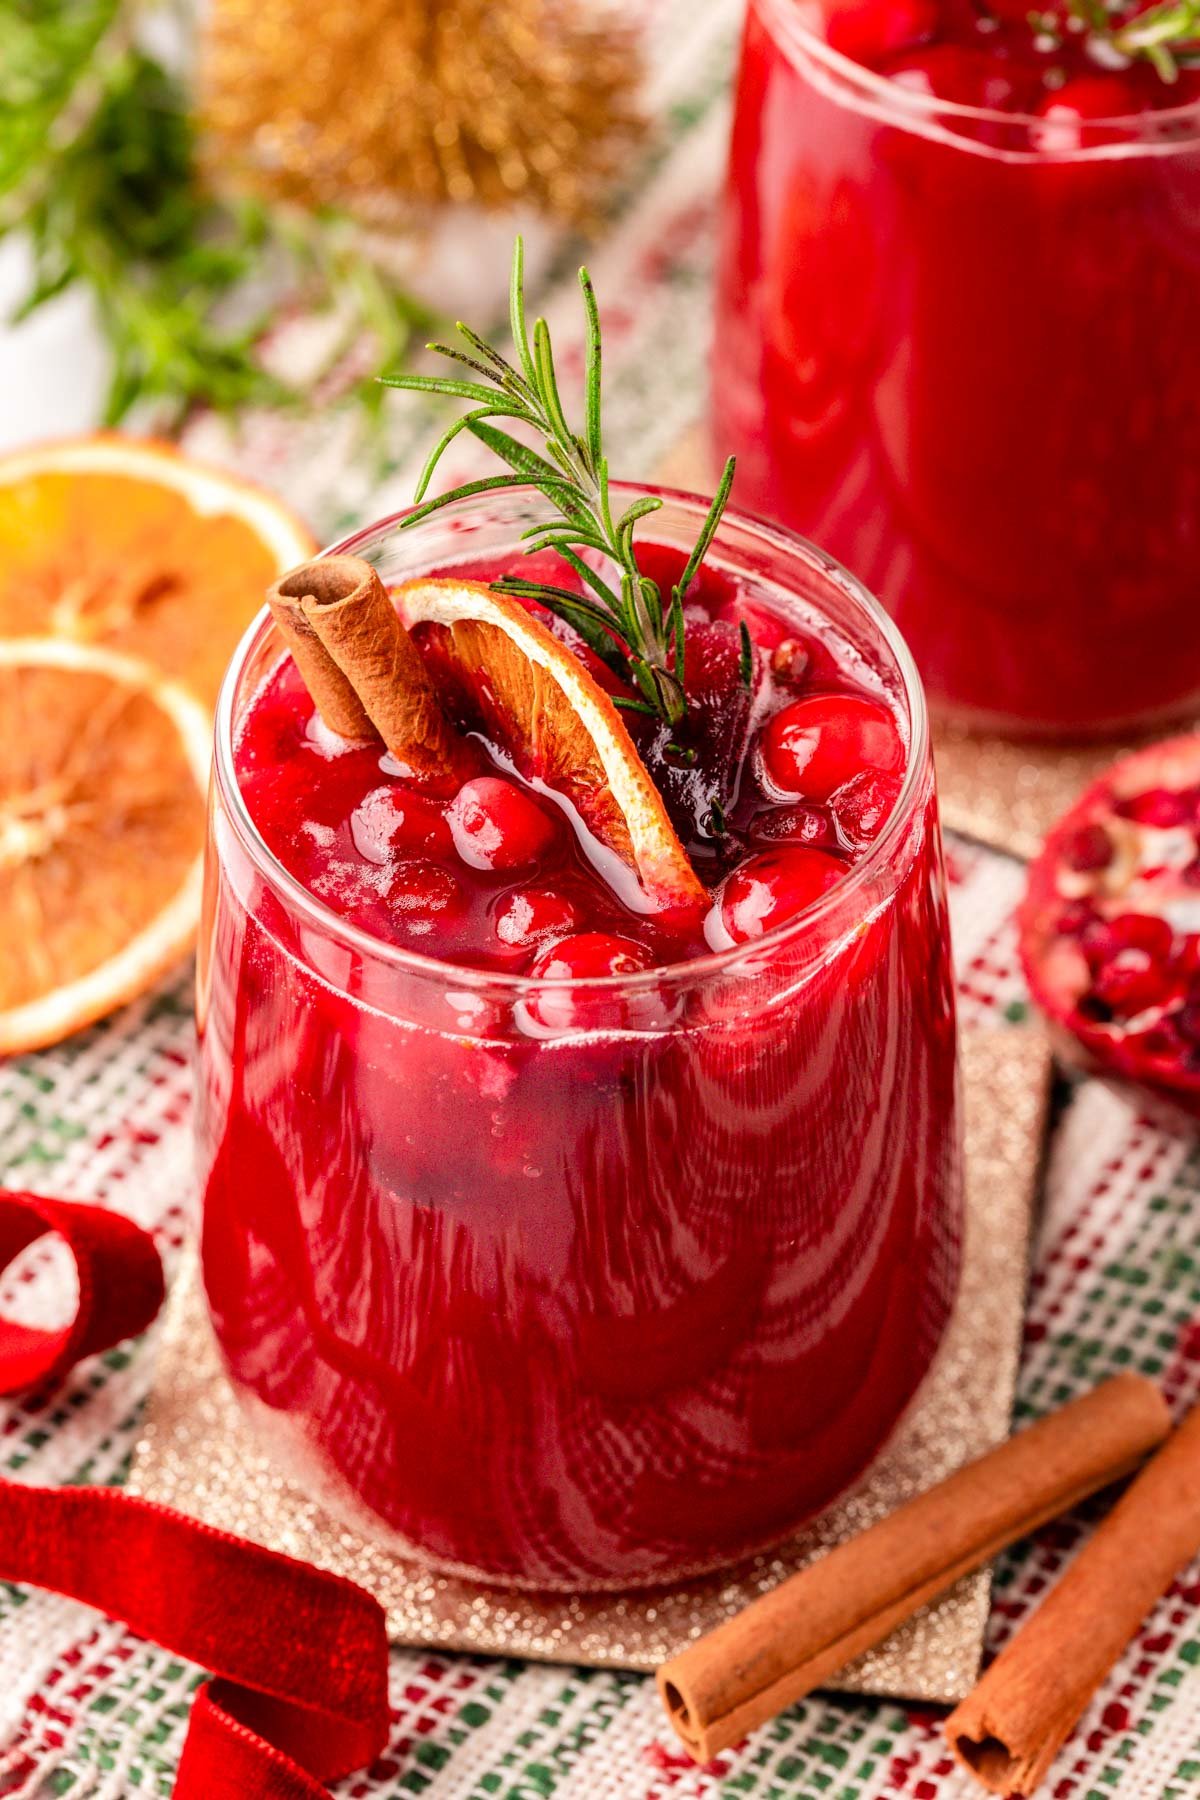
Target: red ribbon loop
(300, 1654)
(120, 1285)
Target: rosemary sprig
(623, 619)
(1166, 35)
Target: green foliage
(99, 165)
(627, 625)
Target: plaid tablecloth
(86, 1709)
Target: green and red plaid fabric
(89, 1711)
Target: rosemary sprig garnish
(624, 619)
(1166, 35)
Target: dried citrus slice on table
(502, 670)
(103, 766)
(126, 542)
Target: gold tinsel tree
(375, 104)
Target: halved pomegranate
(1110, 924)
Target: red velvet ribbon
(299, 1656)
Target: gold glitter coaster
(197, 1453)
(1002, 793)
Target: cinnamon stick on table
(365, 674)
(1011, 1728)
(795, 1637)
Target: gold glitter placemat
(1001, 793)
(197, 1454)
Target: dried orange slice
(500, 670)
(127, 543)
(103, 765)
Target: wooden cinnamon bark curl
(798, 1635)
(1010, 1728)
(355, 622)
(333, 695)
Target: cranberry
(422, 892)
(768, 889)
(950, 72)
(867, 31)
(862, 807)
(1073, 108)
(393, 820)
(497, 825)
(586, 956)
(533, 916)
(810, 826)
(814, 746)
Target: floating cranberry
(771, 888)
(393, 821)
(810, 826)
(496, 825)
(1071, 113)
(814, 746)
(423, 892)
(966, 77)
(867, 31)
(534, 916)
(589, 956)
(863, 806)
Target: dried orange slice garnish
(103, 765)
(123, 542)
(499, 669)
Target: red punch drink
(959, 269)
(574, 1216)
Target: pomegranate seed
(773, 887)
(1075, 918)
(1105, 938)
(1089, 848)
(814, 746)
(497, 825)
(534, 916)
(422, 892)
(811, 826)
(392, 820)
(1159, 807)
(1132, 981)
(862, 807)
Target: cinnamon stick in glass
(1009, 1730)
(332, 694)
(350, 645)
(793, 1639)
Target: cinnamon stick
(333, 696)
(352, 620)
(1009, 1730)
(795, 1637)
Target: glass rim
(908, 107)
(300, 899)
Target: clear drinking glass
(581, 1284)
(957, 348)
